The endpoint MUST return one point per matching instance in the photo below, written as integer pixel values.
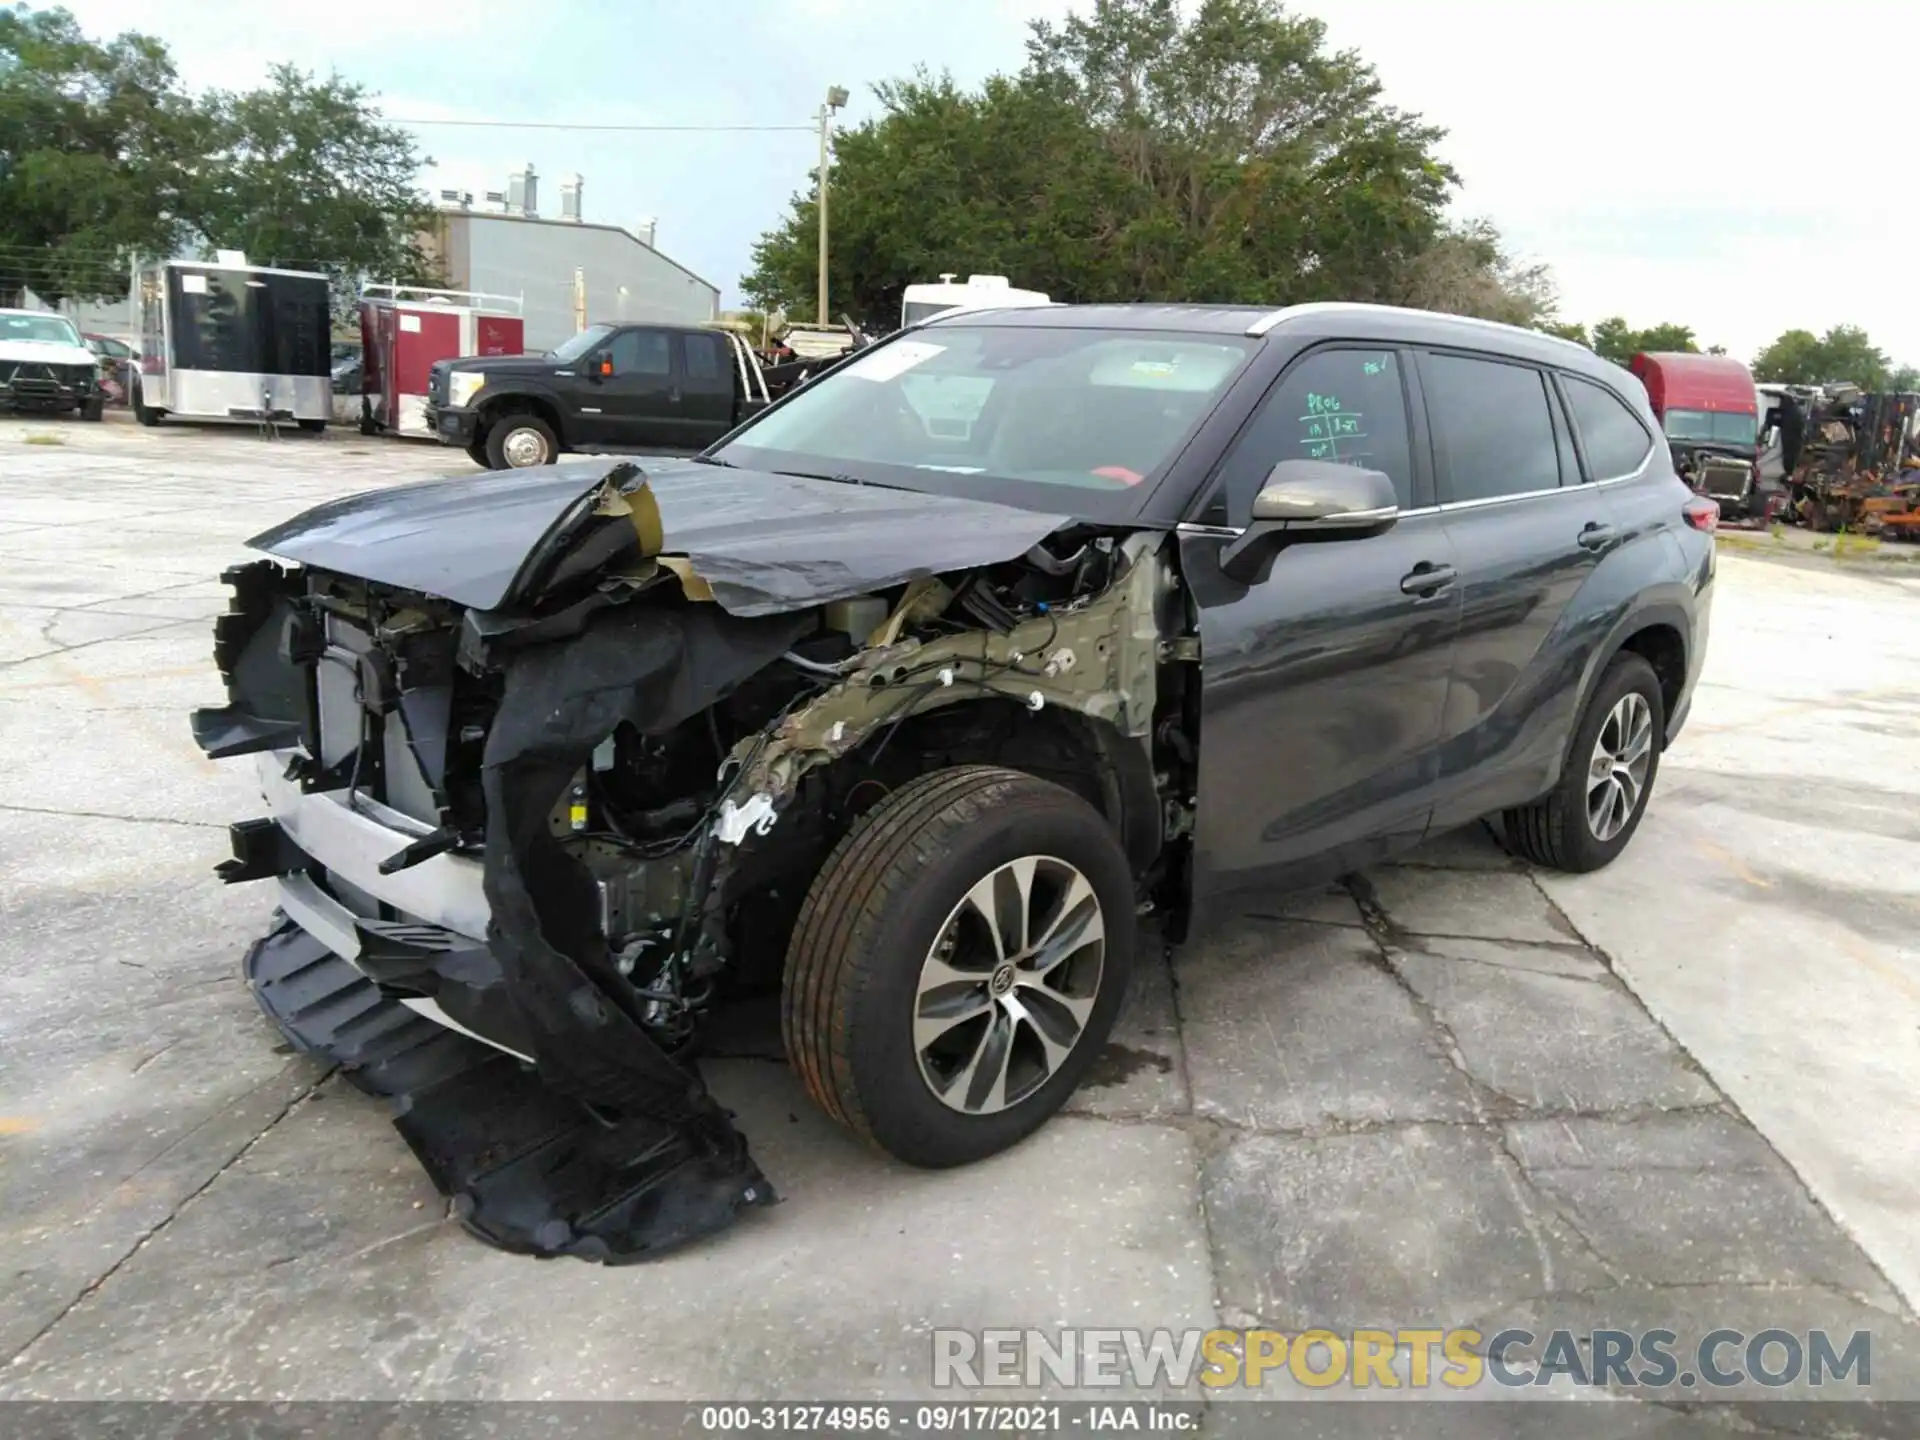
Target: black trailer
(225, 340)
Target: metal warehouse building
(555, 263)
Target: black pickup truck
(622, 387)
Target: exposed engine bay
(526, 846)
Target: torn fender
(761, 543)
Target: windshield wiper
(839, 479)
(712, 460)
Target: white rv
(981, 292)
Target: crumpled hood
(763, 542)
(46, 353)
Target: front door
(640, 401)
(1527, 534)
(1323, 681)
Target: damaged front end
(530, 822)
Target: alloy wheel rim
(523, 448)
(1008, 987)
(1617, 769)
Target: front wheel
(312, 427)
(142, 411)
(93, 409)
(518, 442)
(1588, 818)
(958, 963)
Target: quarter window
(1615, 441)
(1341, 405)
(1492, 427)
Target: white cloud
(1735, 165)
(1690, 160)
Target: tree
(1144, 154)
(305, 174)
(1904, 381)
(1843, 355)
(1615, 340)
(1468, 271)
(96, 148)
(1566, 330)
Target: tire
(890, 891)
(94, 409)
(312, 427)
(142, 412)
(508, 435)
(477, 452)
(1558, 830)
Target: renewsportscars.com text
(1398, 1359)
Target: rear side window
(1492, 427)
(705, 360)
(1612, 435)
(1335, 404)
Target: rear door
(639, 402)
(1527, 534)
(1322, 683)
(708, 386)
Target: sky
(1670, 161)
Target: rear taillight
(1702, 513)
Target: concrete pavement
(1452, 1092)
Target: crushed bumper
(391, 977)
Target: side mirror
(604, 366)
(1311, 500)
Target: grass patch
(43, 437)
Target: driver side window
(1341, 403)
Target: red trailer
(404, 329)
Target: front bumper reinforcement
(415, 1011)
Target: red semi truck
(1710, 411)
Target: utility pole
(836, 99)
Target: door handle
(1595, 536)
(1426, 579)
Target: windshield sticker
(895, 359)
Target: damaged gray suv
(904, 702)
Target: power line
(630, 129)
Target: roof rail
(1322, 307)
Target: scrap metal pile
(1859, 466)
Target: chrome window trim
(1190, 527)
(1556, 490)
(1234, 532)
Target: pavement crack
(1208, 1137)
(153, 1057)
(300, 1098)
(59, 649)
(103, 815)
(1534, 1205)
